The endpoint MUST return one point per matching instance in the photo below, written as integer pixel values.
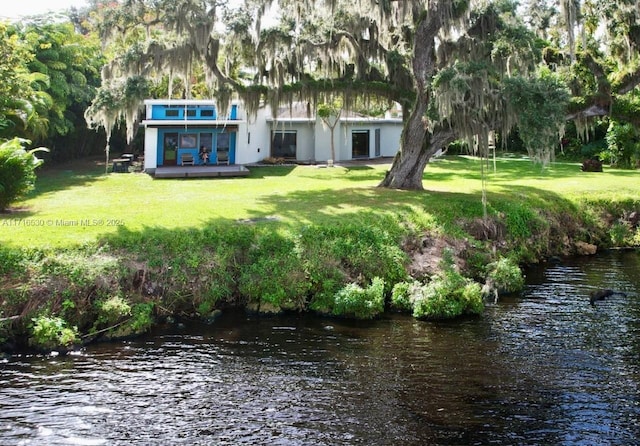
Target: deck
(200, 171)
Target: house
(177, 131)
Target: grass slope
(78, 204)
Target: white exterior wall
(323, 141)
(305, 137)
(252, 144)
(343, 141)
(390, 134)
(150, 148)
(253, 140)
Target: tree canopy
(460, 69)
(50, 75)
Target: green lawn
(78, 203)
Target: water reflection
(543, 369)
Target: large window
(206, 140)
(222, 141)
(283, 144)
(188, 141)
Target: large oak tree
(459, 68)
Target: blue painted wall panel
(194, 112)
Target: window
(223, 141)
(189, 141)
(191, 112)
(206, 113)
(171, 113)
(283, 144)
(206, 140)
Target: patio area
(200, 171)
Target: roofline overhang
(185, 102)
(190, 123)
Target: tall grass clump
(273, 272)
(351, 252)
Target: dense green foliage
(52, 333)
(70, 64)
(17, 171)
(505, 275)
(540, 107)
(50, 75)
(623, 145)
(446, 295)
(361, 303)
(16, 92)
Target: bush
(443, 298)
(113, 310)
(142, 317)
(51, 333)
(402, 295)
(621, 234)
(361, 303)
(17, 171)
(623, 145)
(505, 275)
(447, 295)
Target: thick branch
(628, 82)
(600, 104)
(211, 58)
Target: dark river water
(543, 368)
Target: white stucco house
(177, 131)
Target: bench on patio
(187, 160)
(222, 157)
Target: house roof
(301, 112)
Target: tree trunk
(417, 148)
(408, 164)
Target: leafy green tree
(72, 64)
(599, 63)
(329, 113)
(623, 145)
(68, 64)
(17, 96)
